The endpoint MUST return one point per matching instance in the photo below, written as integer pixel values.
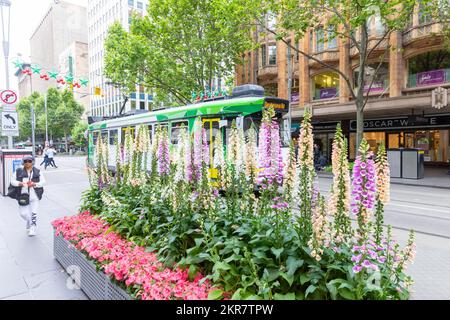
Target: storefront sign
(377, 86)
(431, 77)
(295, 97)
(404, 122)
(325, 126)
(327, 93)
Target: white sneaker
(32, 231)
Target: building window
(380, 79)
(263, 55)
(140, 5)
(296, 51)
(430, 68)
(319, 39)
(271, 21)
(271, 89)
(325, 86)
(272, 55)
(331, 37)
(424, 14)
(131, 3)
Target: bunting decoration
(208, 94)
(46, 75)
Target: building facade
(399, 111)
(63, 24)
(74, 60)
(101, 15)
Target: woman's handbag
(24, 199)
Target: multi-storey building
(101, 15)
(399, 110)
(63, 24)
(74, 60)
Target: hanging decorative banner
(61, 79)
(53, 75)
(208, 94)
(36, 69)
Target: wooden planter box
(94, 283)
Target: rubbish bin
(10, 160)
(395, 162)
(413, 164)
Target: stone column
(344, 66)
(303, 70)
(282, 69)
(396, 65)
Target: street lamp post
(5, 33)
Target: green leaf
(347, 294)
(310, 289)
(221, 266)
(287, 296)
(271, 274)
(288, 277)
(277, 252)
(215, 294)
(304, 278)
(292, 264)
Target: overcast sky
(25, 17)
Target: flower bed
(138, 270)
(288, 242)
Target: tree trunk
(67, 145)
(360, 99)
(359, 123)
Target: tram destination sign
(404, 122)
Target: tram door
(212, 128)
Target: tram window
(104, 136)
(95, 137)
(176, 129)
(112, 136)
(124, 132)
(150, 132)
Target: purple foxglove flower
(367, 263)
(357, 269)
(381, 259)
(356, 258)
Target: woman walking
(29, 183)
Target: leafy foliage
(251, 247)
(178, 47)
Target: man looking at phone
(29, 183)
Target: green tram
(217, 116)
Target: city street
(29, 271)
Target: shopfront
(430, 133)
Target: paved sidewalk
(434, 178)
(28, 269)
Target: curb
(330, 176)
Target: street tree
(78, 134)
(348, 21)
(63, 113)
(180, 46)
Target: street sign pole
(33, 124)
(7, 5)
(46, 120)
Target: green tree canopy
(63, 113)
(77, 134)
(179, 47)
(346, 20)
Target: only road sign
(10, 124)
